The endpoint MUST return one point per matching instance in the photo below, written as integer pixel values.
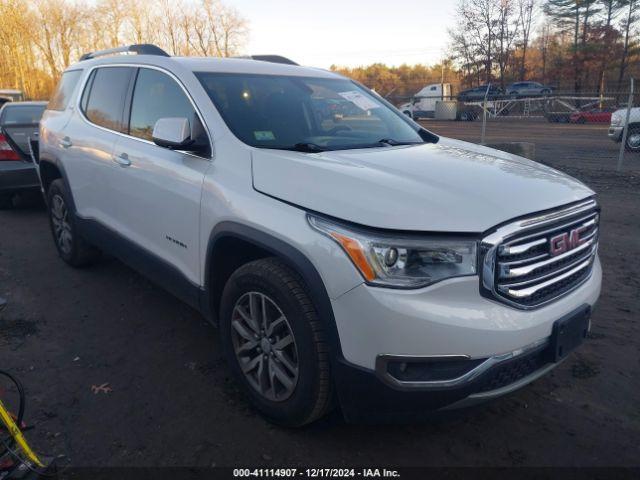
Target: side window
(85, 93)
(104, 97)
(62, 95)
(155, 96)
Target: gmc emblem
(566, 241)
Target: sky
(349, 32)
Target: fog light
(431, 370)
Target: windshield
(307, 114)
(22, 114)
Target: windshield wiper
(393, 143)
(308, 147)
(305, 147)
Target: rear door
(57, 115)
(89, 141)
(532, 88)
(157, 190)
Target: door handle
(66, 142)
(122, 160)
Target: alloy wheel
(633, 140)
(264, 346)
(61, 225)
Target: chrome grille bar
(536, 260)
(527, 292)
(538, 278)
(508, 272)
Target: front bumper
(448, 319)
(615, 133)
(17, 176)
(364, 396)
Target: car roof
(12, 105)
(25, 104)
(211, 64)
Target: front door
(157, 190)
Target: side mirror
(173, 133)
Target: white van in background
(423, 103)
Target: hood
(451, 186)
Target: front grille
(542, 258)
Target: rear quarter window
(62, 95)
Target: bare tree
(628, 25)
(506, 33)
(526, 16)
(228, 28)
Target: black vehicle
(478, 93)
(19, 123)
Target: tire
(309, 394)
(72, 248)
(546, 92)
(633, 140)
(408, 113)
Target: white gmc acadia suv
(348, 255)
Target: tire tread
(293, 282)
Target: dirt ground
(119, 373)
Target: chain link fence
(583, 130)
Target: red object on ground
(593, 116)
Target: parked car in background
(528, 89)
(366, 262)
(616, 128)
(468, 113)
(19, 123)
(595, 115)
(10, 95)
(478, 93)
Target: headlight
(615, 120)
(405, 261)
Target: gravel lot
(167, 399)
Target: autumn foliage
(40, 38)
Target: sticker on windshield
(264, 135)
(359, 100)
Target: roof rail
(140, 49)
(269, 58)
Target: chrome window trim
(491, 243)
(383, 360)
(78, 101)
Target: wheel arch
(232, 244)
(51, 169)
